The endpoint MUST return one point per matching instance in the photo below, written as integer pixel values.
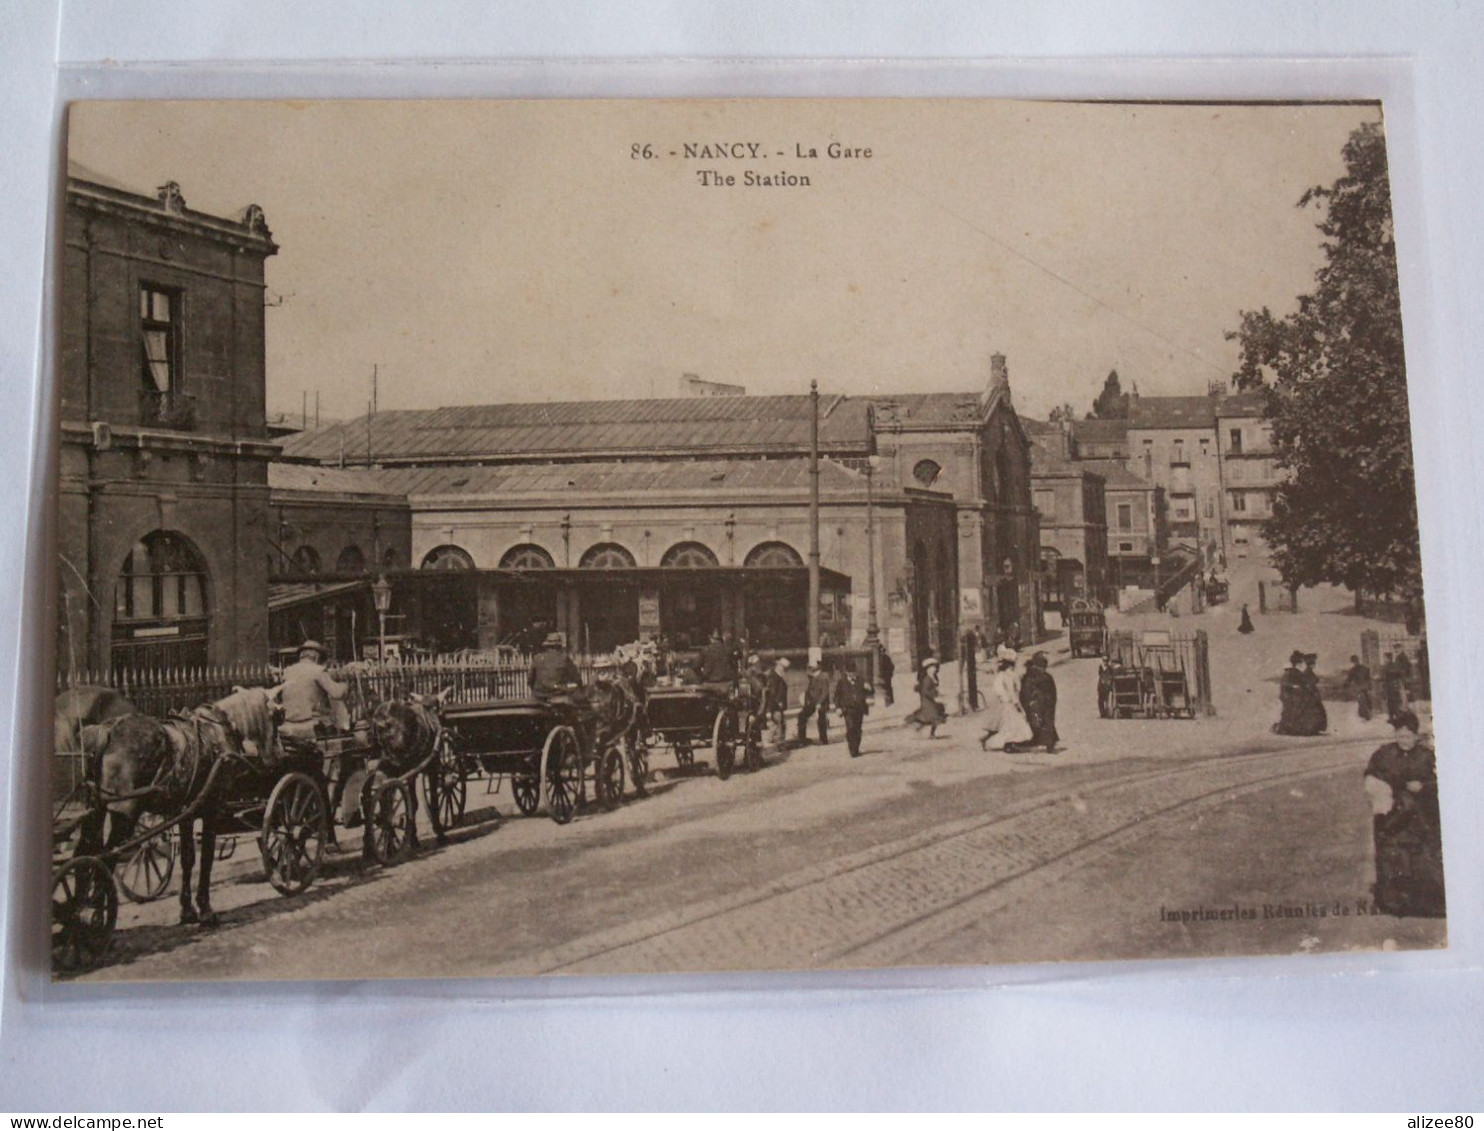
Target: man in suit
(816, 703)
(850, 697)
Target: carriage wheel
(389, 824)
(295, 828)
(685, 758)
(444, 787)
(608, 782)
(527, 792)
(144, 874)
(561, 773)
(85, 907)
(724, 742)
(638, 765)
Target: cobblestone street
(921, 852)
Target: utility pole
(813, 520)
(375, 382)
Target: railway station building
(611, 520)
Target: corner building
(163, 491)
(613, 519)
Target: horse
(404, 731)
(163, 767)
(84, 706)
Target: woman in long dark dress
(1246, 626)
(1401, 781)
(1291, 694)
(1038, 697)
(930, 712)
(1316, 718)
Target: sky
(479, 252)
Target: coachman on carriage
(146, 782)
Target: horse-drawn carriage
(1218, 589)
(1087, 627)
(547, 748)
(226, 766)
(722, 716)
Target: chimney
(999, 379)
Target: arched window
(926, 472)
(448, 557)
(306, 560)
(161, 586)
(389, 559)
(772, 555)
(688, 555)
(351, 560)
(526, 556)
(607, 555)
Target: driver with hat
(312, 701)
(553, 674)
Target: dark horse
(146, 765)
(404, 731)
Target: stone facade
(162, 532)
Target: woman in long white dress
(1013, 725)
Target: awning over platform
(658, 576)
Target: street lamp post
(873, 628)
(381, 593)
(813, 612)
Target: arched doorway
(527, 607)
(446, 613)
(609, 612)
(162, 604)
(773, 608)
(690, 607)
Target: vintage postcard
(591, 537)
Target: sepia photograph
(512, 538)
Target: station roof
(369, 482)
(593, 429)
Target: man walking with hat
(817, 703)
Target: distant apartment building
(1172, 444)
(1249, 471)
(1070, 504)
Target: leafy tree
(1112, 402)
(1062, 412)
(1335, 392)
